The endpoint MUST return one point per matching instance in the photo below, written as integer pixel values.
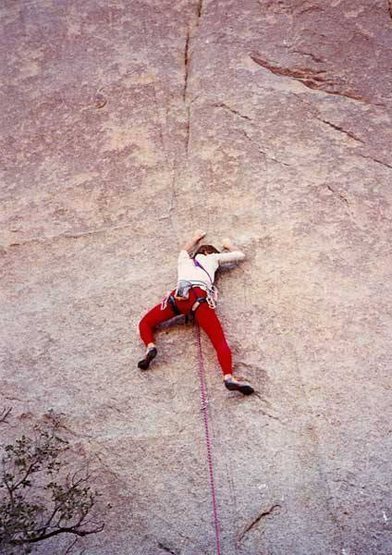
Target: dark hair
(206, 249)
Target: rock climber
(196, 295)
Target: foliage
(39, 497)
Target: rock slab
(127, 125)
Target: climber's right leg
(147, 324)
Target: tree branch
(65, 530)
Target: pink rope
(204, 408)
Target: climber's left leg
(208, 320)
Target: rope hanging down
(204, 409)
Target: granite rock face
(127, 125)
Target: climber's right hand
(199, 234)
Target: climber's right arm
(190, 245)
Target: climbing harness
(211, 290)
(179, 294)
(204, 409)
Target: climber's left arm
(234, 254)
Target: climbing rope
(204, 410)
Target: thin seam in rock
(68, 235)
(199, 12)
(187, 60)
(179, 532)
(264, 412)
(312, 56)
(375, 160)
(229, 109)
(310, 9)
(186, 65)
(170, 163)
(257, 520)
(184, 93)
(341, 130)
(267, 156)
(320, 459)
(167, 549)
(189, 35)
(188, 130)
(339, 195)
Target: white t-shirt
(188, 270)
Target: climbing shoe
(145, 363)
(236, 385)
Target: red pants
(204, 316)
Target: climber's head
(206, 249)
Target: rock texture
(127, 125)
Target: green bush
(39, 497)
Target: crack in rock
(255, 521)
(235, 112)
(186, 65)
(390, 8)
(313, 79)
(188, 130)
(312, 56)
(109, 469)
(375, 160)
(282, 7)
(344, 481)
(342, 130)
(167, 549)
(339, 195)
(199, 11)
(266, 156)
(185, 91)
(309, 10)
(192, 27)
(264, 412)
(76, 235)
(13, 398)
